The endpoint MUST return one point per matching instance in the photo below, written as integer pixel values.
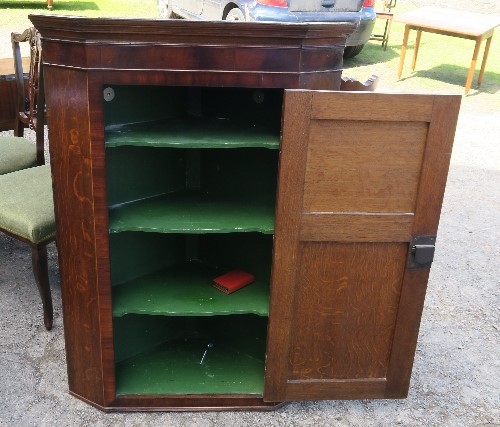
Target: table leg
(472, 68)
(415, 50)
(403, 50)
(485, 58)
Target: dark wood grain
(360, 175)
(71, 162)
(81, 57)
(214, 53)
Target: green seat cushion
(26, 204)
(16, 153)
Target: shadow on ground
(457, 75)
(372, 54)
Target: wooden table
(454, 23)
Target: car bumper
(365, 19)
(365, 28)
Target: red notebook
(232, 281)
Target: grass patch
(19, 9)
(442, 64)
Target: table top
(457, 21)
(7, 66)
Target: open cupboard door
(361, 183)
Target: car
(280, 11)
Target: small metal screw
(209, 346)
(109, 94)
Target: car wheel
(352, 51)
(235, 14)
(165, 9)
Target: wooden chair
(27, 107)
(26, 203)
(18, 153)
(387, 15)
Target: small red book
(232, 281)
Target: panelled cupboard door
(361, 182)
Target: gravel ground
(456, 374)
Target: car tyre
(165, 9)
(352, 51)
(235, 14)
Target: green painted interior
(192, 132)
(138, 254)
(133, 174)
(249, 251)
(191, 186)
(134, 335)
(134, 255)
(172, 274)
(186, 290)
(243, 107)
(136, 173)
(174, 367)
(192, 213)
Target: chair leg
(40, 270)
(387, 34)
(18, 128)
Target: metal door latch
(422, 250)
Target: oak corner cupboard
(183, 150)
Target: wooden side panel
(70, 150)
(345, 314)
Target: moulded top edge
(78, 27)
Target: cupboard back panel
(135, 173)
(133, 334)
(135, 104)
(132, 104)
(135, 254)
(249, 251)
(218, 355)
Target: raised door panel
(361, 175)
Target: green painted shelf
(186, 290)
(192, 133)
(191, 213)
(174, 368)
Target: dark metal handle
(421, 251)
(424, 254)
